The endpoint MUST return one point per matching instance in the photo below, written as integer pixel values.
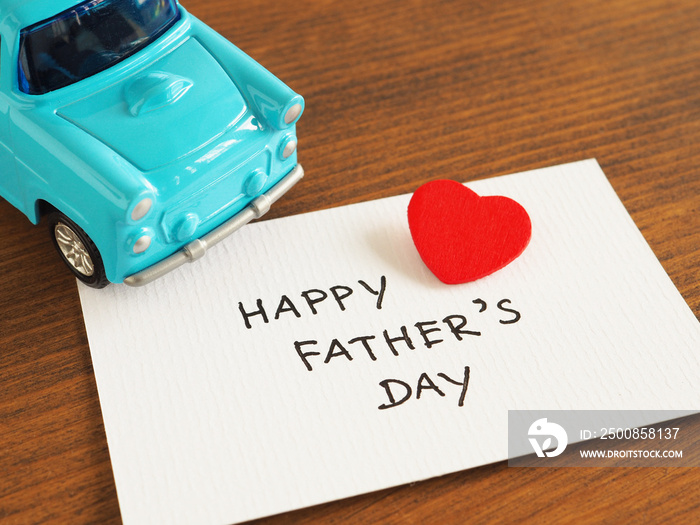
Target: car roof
(22, 13)
(18, 14)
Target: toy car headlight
(291, 112)
(142, 244)
(287, 147)
(140, 208)
(140, 240)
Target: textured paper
(211, 422)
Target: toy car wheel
(77, 250)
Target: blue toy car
(142, 134)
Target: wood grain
(399, 93)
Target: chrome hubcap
(74, 250)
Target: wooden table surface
(399, 93)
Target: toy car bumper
(197, 248)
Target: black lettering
(403, 337)
(248, 315)
(481, 302)
(364, 340)
(424, 333)
(457, 329)
(379, 294)
(429, 386)
(304, 355)
(464, 384)
(339, 298)
(509, 310)
(392, 400)
(341, 351)
(320, 296)
(281, 308)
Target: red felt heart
(462, 237)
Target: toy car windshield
(87, 39)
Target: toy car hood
(178, 104)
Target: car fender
(79, 176)
(270, 98)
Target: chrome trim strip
(197, 248)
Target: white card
(209, 421)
